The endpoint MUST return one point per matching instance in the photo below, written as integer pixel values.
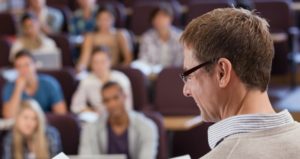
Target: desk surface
(181, 123)
(296, 6)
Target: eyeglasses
(185, 75)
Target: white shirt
(89, 91)
(246, 124)
(47, 46)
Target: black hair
(28, 16)
(23, 53)
(162, 7)
(110, 84)
(106, 8)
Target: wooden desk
(181, 123)
(279, 37)
(295, 6)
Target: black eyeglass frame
(185, 74)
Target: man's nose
(186, 91)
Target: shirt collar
(246, 124)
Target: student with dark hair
(160, 45)
(50, 19)
(32, 38)
(83, 19)
(119, 131)
(31, 85)
(101, 72)
(105, 34)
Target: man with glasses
(228, 59)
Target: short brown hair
(238, 35)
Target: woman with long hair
(30, 137)
(117, 40)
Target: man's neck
(164, 34)
(120, 120)
(248, 101)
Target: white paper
(61, 156)
(182, 157)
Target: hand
(20, 83)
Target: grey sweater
(277, 143)
(142, 137)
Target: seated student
(83, 19)
(32, 38)
(88, 89)
(51, 19)
(160, 45)
(43, 88)
(30, 137)
(106, 35)
(119, 131)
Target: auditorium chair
(138, 83)
(163, 144)
(8, 24)
(66, 48)
(69, 129)
(169, 99)
(193, 142)
(199, 7)
(5, 46)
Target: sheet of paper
(182, 157)
(61, 156)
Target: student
(83, 20)
(50, 19)
(119, 131)
(160, 45)
(31, 85)
(101, 72)
(30, 136)
(228, 57)
(32, 39)
(106, 35)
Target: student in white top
(88, 92)
(32, 38)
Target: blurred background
(156, 88)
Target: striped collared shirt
(246, 124)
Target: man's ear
(223, 69)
